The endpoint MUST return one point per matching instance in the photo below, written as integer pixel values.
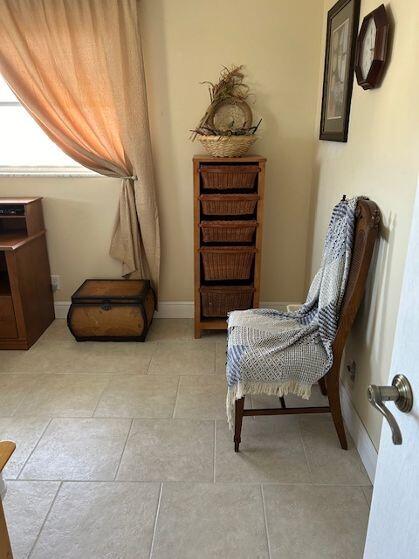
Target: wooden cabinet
(26, 302)
(228, 228)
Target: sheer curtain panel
(77, 67)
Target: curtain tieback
(134, 178)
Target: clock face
(368, 46)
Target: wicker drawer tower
(228, 227)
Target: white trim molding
(61, 309)
(359, 434)
(47, 171)
(170, 309)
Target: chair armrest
(6, 450)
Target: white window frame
(75, 170)
(47, 171)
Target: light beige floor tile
(179, 329)
(26, 505)
(210, 520)
(111, 380)
(201, 397)
(64, 395)
(219, 336)
(328, 462)
(171, 329)
(271, 450)
(265, 401)
(83, 357)
(57, 332)
(25, 432)
(78, 449)
(139, 396)
(183, 358)
(168, 450)
(98, 520)
(314, 522)
(13, 389)
(368, 494)
(9, 360)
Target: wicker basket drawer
(227, 263)
(228, 231)
(218, 301)
(228, 204)
(228, 177)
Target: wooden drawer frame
(203, 323)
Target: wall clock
(371, 48)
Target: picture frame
(338, 77)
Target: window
(24, 146)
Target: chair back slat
(365, 236)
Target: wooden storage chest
(111, 310)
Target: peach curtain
(77, 67)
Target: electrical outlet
(352, 370)
(55, 283)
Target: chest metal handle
(106, 306)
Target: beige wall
(380, 160)
(186, 42)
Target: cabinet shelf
(12, 217)
(26, 304)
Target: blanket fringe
(279, 389)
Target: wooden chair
(366, 233)
(6, 450)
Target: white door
(393, 530)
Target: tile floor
(123, 452)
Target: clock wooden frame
(375, 73)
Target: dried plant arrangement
(226, 127)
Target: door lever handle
(400, 392)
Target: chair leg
(334, 403)
(322, 384)
(282, 400)
(5, 549)
(238, 421)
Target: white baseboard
(359, 434)
(168, 309)
(61, 309)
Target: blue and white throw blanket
(273, 352)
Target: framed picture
(342, 29)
